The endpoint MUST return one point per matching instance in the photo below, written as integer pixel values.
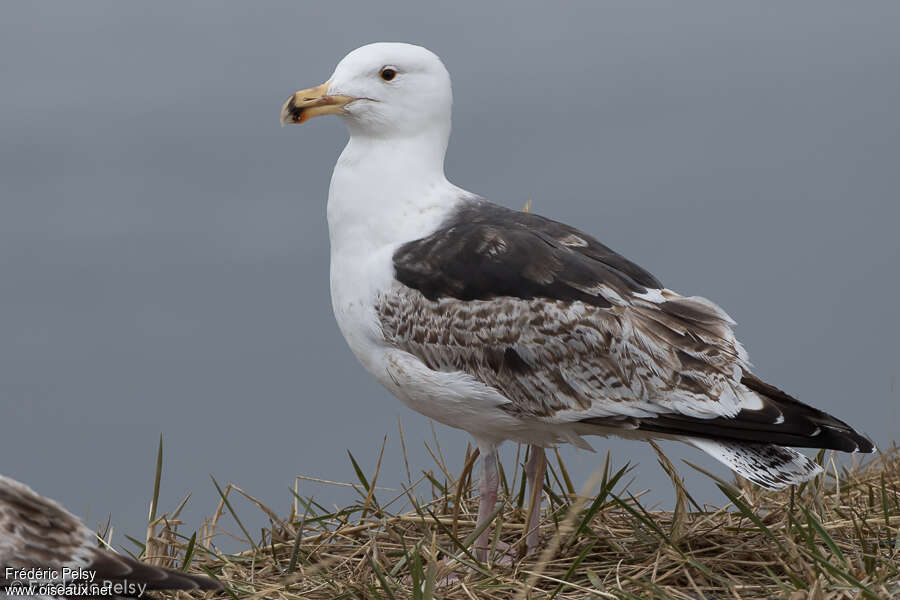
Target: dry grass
(837, 536)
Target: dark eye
(388, 73)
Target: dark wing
(38, 532)
(487, 251)
(570, 331)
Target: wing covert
(560, 324)
(486, 251)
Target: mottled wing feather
(570, 331)
(566, 361)
(37, 530)
(559, 323)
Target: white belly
(455, 398)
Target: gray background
(164, 249)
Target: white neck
(385, 191)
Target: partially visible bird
(36, 532)
(512, 326)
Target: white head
(383, 90)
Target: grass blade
(233, 513)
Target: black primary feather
(783, 420)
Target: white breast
(374, 206)
(356, 280)
(377, 201)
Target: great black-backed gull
(512, 326)
(41, 543)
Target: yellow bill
(313, 102)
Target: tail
(767, 465)
(802, 425)
(758, 441)
(754, 443)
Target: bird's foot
(450, 571)
(501, 553)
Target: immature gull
(512, 326)
(42, 541)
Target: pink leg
(487, 497)
(535, 469)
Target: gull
(512, 326)
(39, 536)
